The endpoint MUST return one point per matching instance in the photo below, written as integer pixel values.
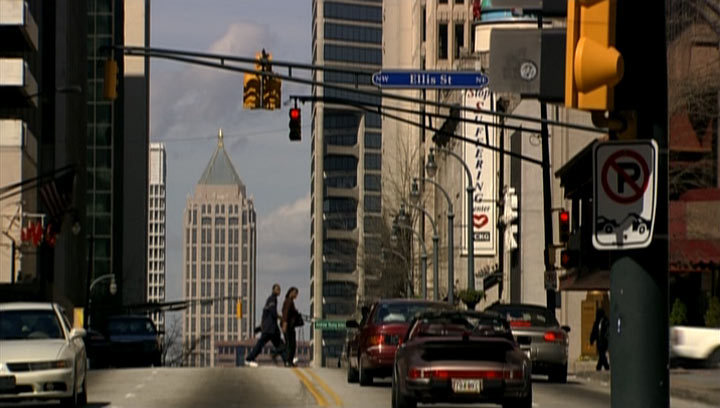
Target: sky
(189, 103)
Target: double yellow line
(319, 397)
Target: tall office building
(219, 258)
(346, 166)
(117, 131)
(156, 230)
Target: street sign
(329, 325)
(624, 194)
(403, 79)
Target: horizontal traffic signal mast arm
(200, 59)
(379, 109)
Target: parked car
(695, 345)
(41, 356)
(132, 341)
(540, 336)
(461, 357)
(370, 351)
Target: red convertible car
(461, 357)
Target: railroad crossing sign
(624, 194)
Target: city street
(281, 387)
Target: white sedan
(41, 356)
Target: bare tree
(172, 340)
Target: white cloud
(284, 237)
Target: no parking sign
(624, 194)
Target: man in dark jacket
(270, 329)
(600, 333)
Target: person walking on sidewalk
(291, 319)
(599, 335)
(269, 328)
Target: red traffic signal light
(295, 124)
(568, 258)
(564, 225)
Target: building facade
(118, 131)
(156, 230)
(346, 178)
(219, 261)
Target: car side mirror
(566, 328)
(352, 324)
(77, 332)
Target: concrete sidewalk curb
(678, 387)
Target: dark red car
(370, 351)
(461, 357)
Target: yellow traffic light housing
(271, 93)
(251, 91)
(592, 64)
(110, 80)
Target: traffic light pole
(639, 278)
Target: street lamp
(112, 288)
(423, 256)
(450, 217)
(470, 190)
(435, 239)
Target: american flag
(57, 194)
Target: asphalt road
(288, 388)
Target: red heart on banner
(480, 220)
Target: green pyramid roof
(220, 170)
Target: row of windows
(345, 222)
(158, 278)
(340, 163)
(373, 140)
(339, 308)
(352, 96)
(340, 247)
(339, 266)
(373, 203)
(344, 181)
(347, 78)
(372, 182)
(358, 55)
(341, 139)
(205, 271)
(157, 189)
(353, 12)
(339, 205)
(373, 225)
(340, 120)
(373, 161)
(353, 33)
(103, 133)
(156, 266)
(339, 289)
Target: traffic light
(569, 258)
(251, 91)
(271, 93)
(295, 125)
(564, 226)
(592, 64)
(111, 79)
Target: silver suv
(540, 336)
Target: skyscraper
(156, 230)
(346, 166)
(219, 258)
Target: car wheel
(524, 402)
(398, 399)
(363, 376)
(352, 373)
(82, 396)
(558, 374)
(714, 360)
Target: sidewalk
(693, 384)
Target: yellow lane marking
(314, 391)
(325, 387)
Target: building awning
(694, 255)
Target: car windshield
(30, 325)
(401, 312)
(527, 317)
(131, 327)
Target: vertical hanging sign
(483, 164)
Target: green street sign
(329, 325)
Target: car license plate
(466, 386)
(7, 382)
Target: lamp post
(470, 189)
(431, 169)
(415, 196)
(423, 258)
